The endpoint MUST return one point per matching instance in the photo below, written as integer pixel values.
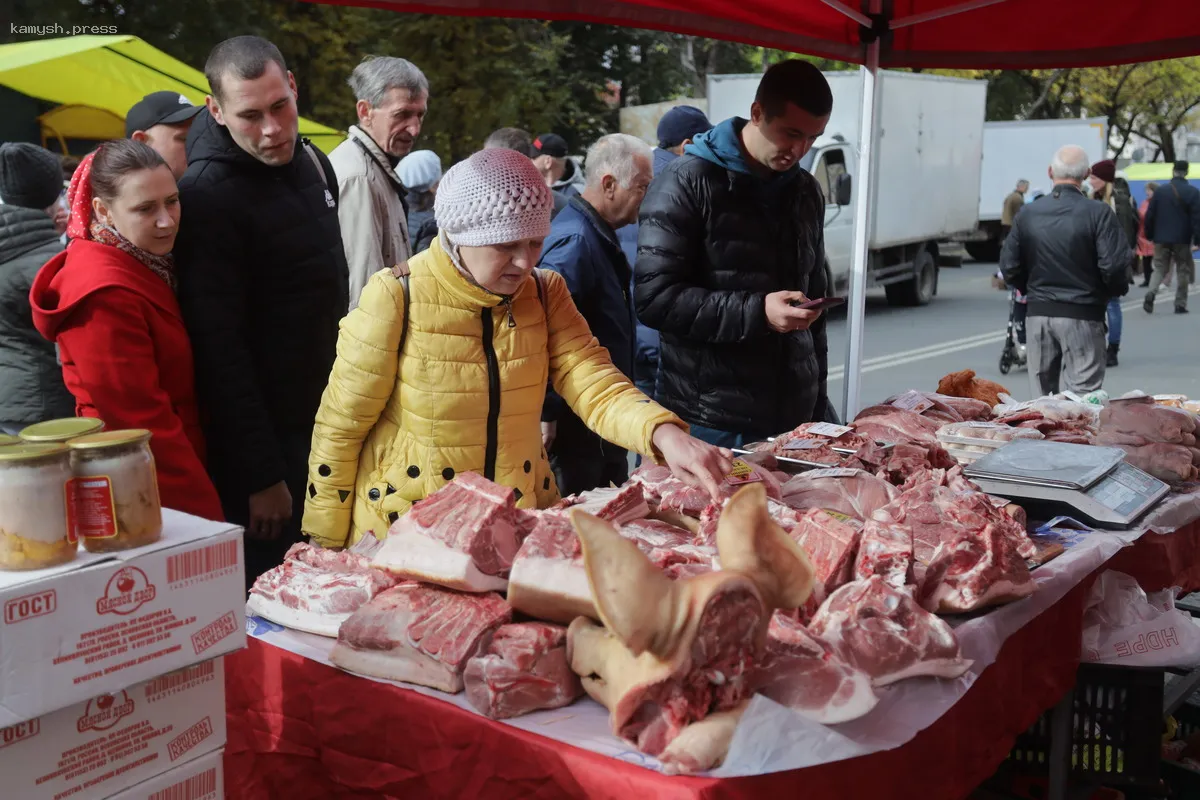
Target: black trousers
(577, 473)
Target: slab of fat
(553, 589)
(409, 554)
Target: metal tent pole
(864, 185)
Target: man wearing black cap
(1173, 224)
(561, 173)
(31, 382)
(162, 120)
(676, 130)
(521, 141)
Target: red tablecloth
(1161, 561)
(299, 729)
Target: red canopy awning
(977, 34)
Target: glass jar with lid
(113, 494)
(34, 530)
(62, 430)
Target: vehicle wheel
(987, 251)
(920, 290)
(1006, 362)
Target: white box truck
(1022, 149)
(930, 146)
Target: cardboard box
(106, 622)
(111, 742)
(200, 779)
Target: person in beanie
(420, 172)
(562, 173)
(108, 302)
(1105, 189)
(162, 120)
(392, 97)
(31, 383)
(444, 371)
(1173, 224)
(676, 130)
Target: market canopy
(79, 122)
(111, 73)
(977, 34)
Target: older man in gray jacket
(392, 97)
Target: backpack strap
(316, 160)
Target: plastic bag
(1124, 626)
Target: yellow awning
(1154, 171)
(112, 73)
(79, 122)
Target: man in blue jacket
(583, 247)
(1173, 224)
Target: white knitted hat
(496, 196)
(419, 170)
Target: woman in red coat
(108, 302)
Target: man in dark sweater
(1069, 257)
(263, 285)
(1173, 224)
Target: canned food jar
(34, 529)
(113, 493)
(62, 430)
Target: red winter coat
(127, 360)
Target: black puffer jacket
(1068, 255)
(713, 241)
(263, 285)
(31, 382)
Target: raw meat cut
(850, 439)
(932, 405)
(804, 674)
(618, 504)
(975, 570)
(419, 634)
(858, 494)
(315, 590)
(1145, 418)
(463, 536)
(672, 653)
(702, 745)
(886, 423)
(886, 550)
(706, 533)
(831, 545)
(668, 493)
(1173, 463)
(523, 669)
(881, 630)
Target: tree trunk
(1167, 142)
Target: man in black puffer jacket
(263, 285)
(31, 381)
(730, 238)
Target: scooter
(1014, 354)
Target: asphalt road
(964, 328)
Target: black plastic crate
(1116, 729)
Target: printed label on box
(190, 738)
(38, 604)
(105, 711)
(829, 429)
(214, 632)
(127, 590)
(91, 511)
(197, 787)
(203, 564)
(19, 732)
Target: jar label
(91, 510)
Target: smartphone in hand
(820, 304)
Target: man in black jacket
(1173, 224)
(730, 239)
(1069, 257)
(263, 285)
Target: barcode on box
(196, 787)
(204, 561)
(173, 680)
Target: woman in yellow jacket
(447, 374)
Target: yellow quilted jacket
(465, 395)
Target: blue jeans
(722, 438)
(1115, 318)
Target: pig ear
(633, 597)
(752, 543)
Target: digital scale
(1049, 479)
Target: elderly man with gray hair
(1069, 257)
(584, 249)
(392, 97)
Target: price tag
(857, 524)
(804, 444)
(742, 473)
(913, 401)
(835, 472)
(828, 429)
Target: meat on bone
(804, 674)
(672, 653)
(667, 493)
(418, 633)
(859, 494)
(463, 536)
(886, 550)
(615, 504)
(523, 669)
(881, 630)
(974, 570)
(831, 544)
(316, 590)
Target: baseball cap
(159, 108)
(550, 144)
(680, 124)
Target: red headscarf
(79, 198)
